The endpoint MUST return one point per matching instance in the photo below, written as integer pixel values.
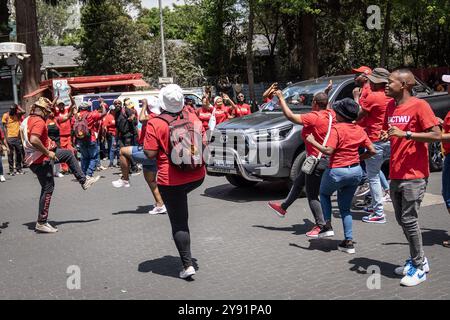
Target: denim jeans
(446, 181)
(384, 181)
(113, 149)
(344, 181)
(1, 164)
(373, 167)
(89, 157)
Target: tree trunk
(310, 66)
(27, 32)
(387, 27)
(4, 17)
(251, 84)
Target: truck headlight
(277, 134)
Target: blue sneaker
(401, 271)
(373, 218)
(414, 277)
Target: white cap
(217, 98)
(446, 78)
(171, 98)
(154, 105)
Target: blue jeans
(1, 164)
(113, 150)
(344, 181)
(373, 167)
(89, 157)
(446, 181)
(384, 181)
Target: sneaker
(347, 246)
(368, 210)
(387, 197)
(102, 168)
(279, 211)
(158, 210)
(121, 184)
(401, 271)
(314, 233)
(45, 228)
(90, 181)
(186, 273)
(374, 218)
(326, 232)
(413, 277)
(362, 190)
(20, 172)
(136, 173)
(59, 175)
(12, 174)
(2, 179)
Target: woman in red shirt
(204, 113)
(221, 112)
(174, 184)
(344, 173)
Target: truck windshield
(299, 96)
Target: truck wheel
(296, 170)
(239, 181)
(436, 157)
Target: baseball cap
(363, 69)
(154, 105)
(379, 75)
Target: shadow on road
(297, 229)
(325, 245)
(4, 225)
(265, 191)
(139, 210)
(31, 225)
(360, 265)
(168, 266)
(430, 237)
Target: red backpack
(81, 128)
(185, 141)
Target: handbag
(212, 120)
(311, 162)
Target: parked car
(233, 142)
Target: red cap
(363, 69)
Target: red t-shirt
(446, 126)
(93, 120)
(316, 123)
(65, 128)
(365, 92)
(242, 110)
(109, 123)
(375, 105)
(222, 114)
(346, 139)
(409, 159)
(204, 116)
(144, 128)
(38, 127)
(157, 138)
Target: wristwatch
(408, 135)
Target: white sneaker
(102, 168)
(59, 175)
(121, 184)
(45, 228)
(158, 210)
(186, 273)
(413, 277)
(2, 179)
(387, 198)
(401, 271)
(90, 181)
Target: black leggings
(176, 202)
(44, 174)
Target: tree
(249, 53)
(53, 27)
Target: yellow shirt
(12, 125)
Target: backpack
(185, 141)
(81, 128)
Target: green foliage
(53, 27)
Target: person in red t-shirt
(242, 108)
(109, 132)
(269, 93)
(150, 109)
(344, 172)
(318, 123)
(174, 184)
(63, 118)
(373, 112)
(221, 112)
(204, 113)
(409, 124)
(362, 89)
(3, 147)
(88, 146)
(41, 153)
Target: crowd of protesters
(345, 142)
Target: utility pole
(163, 53)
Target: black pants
(15, 147)
(312, 185)
(44, 174)
(176, 202)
